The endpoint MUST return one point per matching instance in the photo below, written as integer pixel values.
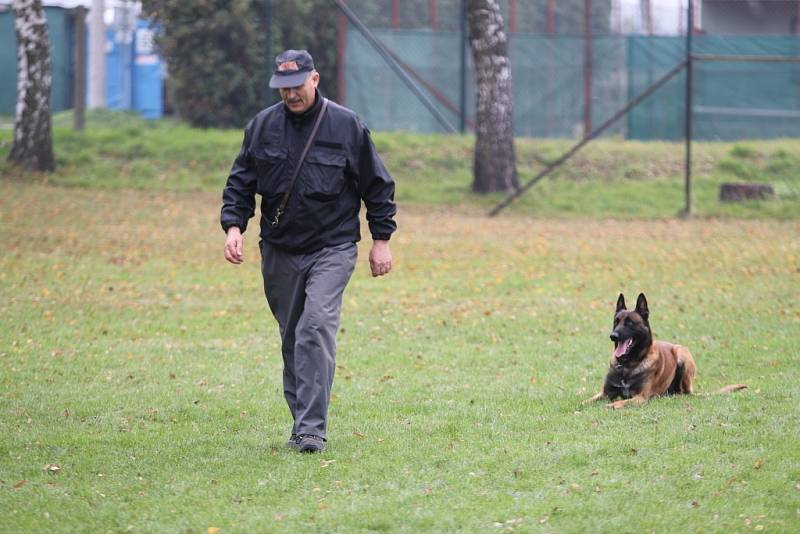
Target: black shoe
(310, 443)
(294, 442)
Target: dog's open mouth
(623, 347)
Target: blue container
(148, 74)
(119, 55)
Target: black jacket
(341, 168)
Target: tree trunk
(495, 167)
(33, 142)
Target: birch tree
(33, 141)
(495, 167)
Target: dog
(642, 368)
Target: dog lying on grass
(640, 367)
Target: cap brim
(284, 81)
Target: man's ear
(641, 307)
(620, 302)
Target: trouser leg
(284, 287)
(328, 272)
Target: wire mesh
(557, 76)
(576, 63)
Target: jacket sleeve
(239, 195)
(376, 188)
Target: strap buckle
(274, 222)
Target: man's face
(299, 99)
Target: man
(308, 236)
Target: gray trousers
(304, 292)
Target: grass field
(141, 386)
(608, 178)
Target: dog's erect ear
(641, 307)
(620, 302)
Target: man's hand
(380, 258)
(234, 246)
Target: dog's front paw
(596, 398)
(616, 405)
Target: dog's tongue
(622, 348)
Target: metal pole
(79, 73)
(395, 14)
(587, 67)
(97, 55)
(462, 96)
(796, 28)
(647, 15)
(341, 82)
(268, 47)
(688, 185)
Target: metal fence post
(79, 75)
(268, 47)
(462, 97)
(587, 67)
(341, 82)
(689, 68)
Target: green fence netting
(732, 99)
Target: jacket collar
(309, 114)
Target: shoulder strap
(276, 220)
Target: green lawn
(608, 178)
(141, 386)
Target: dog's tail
(731, 388)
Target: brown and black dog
(641, 367)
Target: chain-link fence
(578, 65)
(576, 62)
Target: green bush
(214, 49)
(743, 152)
(217, 52)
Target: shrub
(214, 49)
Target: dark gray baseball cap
(292, 67)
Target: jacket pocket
(271, 165)
(323, 175)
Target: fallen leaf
(19, 484)
(759, 464)
(52, 468)
(359, 434)
(212, 530)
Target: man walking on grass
(312, 162)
